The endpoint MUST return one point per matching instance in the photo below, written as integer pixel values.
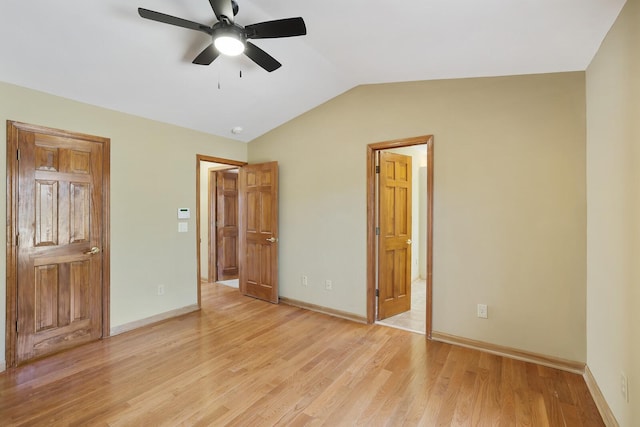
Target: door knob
(272, 239)
(408, 241)
(94, 250)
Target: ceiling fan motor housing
(229, 39)
(232, 30)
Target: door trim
(13, 128)
(371, 212)
(205, 158)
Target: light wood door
(394, 263)
(59, 275)
(259, 231)
(227, 224)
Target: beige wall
(153, 173)
(509, 202)
(613, 212)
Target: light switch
(183, 227)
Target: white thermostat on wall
(184, 213)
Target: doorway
(391, 267)
(219, 222)
(257, 226)
(206, 168)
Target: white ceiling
(103, 53)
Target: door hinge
(16, 326)
(18, 239)
(377, 231)
(377, 169)
(18, 155)
(377, 292)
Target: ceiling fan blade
(222, 8)
(168, 19)
(261, 57)
(207, 56)
(288, 27)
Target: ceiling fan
(229, 38)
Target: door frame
(212, 206)
(372, 149)
(205, 158)
(13, 128)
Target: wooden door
(60, 237)
(227, 224)
(259, 231)
(394, 253)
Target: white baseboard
(116, 330)
(3, 365)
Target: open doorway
(400, 232)
(208, 167)
(219, 222)
(401, 224)
(257, 227)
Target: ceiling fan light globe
(228, 45)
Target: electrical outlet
(160, 289)
(483, 311)
(624, 387)
(328, 285)
(304, 280)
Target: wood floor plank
(240, 361)
(392, 401)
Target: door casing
(13, 128)
(371, 223)
(212, 267)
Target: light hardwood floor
(245, 362)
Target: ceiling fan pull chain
(218, 81)
(240, 72)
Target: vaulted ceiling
(103, 53)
